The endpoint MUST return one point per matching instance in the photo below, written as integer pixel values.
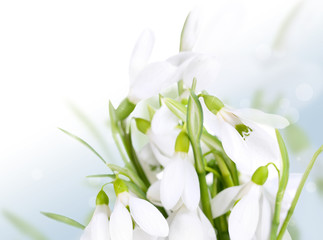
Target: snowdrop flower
(248, 135)
(179, 180)
(252, 207)
(98, 228)
(144, 214)
(149, 79)
(179, 185)
(190, 225)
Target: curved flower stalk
(252, 206)
(190, 225)
(248, 135)
(98, 228)
(143, 213)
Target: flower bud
(260, 175)
(102, 198)
(213, 103)
(120, 186)
(125, 108)
(143, 125)
(182, 143)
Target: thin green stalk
(298, 193)
(134, 159)
(282, 185)
(227, 179)
(206, 204)
(214, 143)
(194, 130)
(115, 132)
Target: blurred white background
(54, 54)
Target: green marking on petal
(243, 130)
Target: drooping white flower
(178, 185)
(149, 79)
(98, 228)
(190, 225)
(248, 135)
(252, 206)
(144, 214)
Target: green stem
(282, 185)
(214, 143)
(133, 156)
(298, 193)
(199, 164)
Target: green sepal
(120, 186)
(143, 125)
(125, 108)
(176, 107)
(102, 198)
(151, 112)
(212, 103)
(260, 175)
(182, 143)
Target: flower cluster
(205, 170)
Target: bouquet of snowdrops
(205, 171)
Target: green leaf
(63, 219)
(135, 189)
(91, 127)
(283, 180)
(24, 227)
(102, 176)
(128, 173)
(84, 143)
(298, 192)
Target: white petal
(265, 219)
(148, 217)
(161, 158)
(204, 68)
(243, 219)
(191, 193)
(139, 234)
(141, 53)
(225, 200)
(258, 116)
(207, 226)
(181, 58)
(172, 184)
(120, 223)
(163, 121)
(253, 151)
(98, 228)
(147, 155)
(153, 193)
(186, 225)
(190, 31)
(151, 80)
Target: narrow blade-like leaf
(84, 143)
(63, 219)
(24, 227)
